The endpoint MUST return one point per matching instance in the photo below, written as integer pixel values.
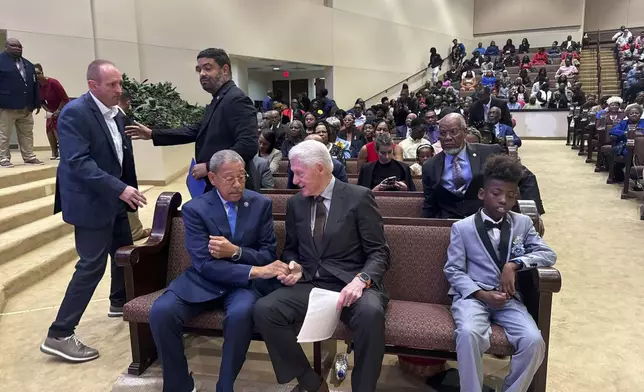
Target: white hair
(223, 156)
(614, 99)
(311, 152)
(633, 106)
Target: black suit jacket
(15, 92)
(230, 122)
(354, 237)
(280, 135)
(477, 117)
(441, 203)
(366, 175)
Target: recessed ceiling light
(276, 68)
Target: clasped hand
(220, 248)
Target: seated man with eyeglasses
(231, 242)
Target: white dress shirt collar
(485, 217)
(113, 111)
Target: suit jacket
(477, 113)
(339, 172)
(366, 175)
(441, 203)
(472, 262)
(90, 179)
(505, 130)
(280, 135)
(230, 122)
(16, 92)
(265, 176)
(208, 278)
(354, 237)
(401, 131)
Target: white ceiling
(267, 65)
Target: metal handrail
(396, 84)
(599, 69)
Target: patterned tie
(232, 217)
(457, 175)
(320, 221)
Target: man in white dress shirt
(95, 187)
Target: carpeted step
(27, 191)
(16, 242)
(31, 267)
(23, 213)
(21, 174)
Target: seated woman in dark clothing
(386, 173)
(510, 59)
(509, 47)
(523, 74)
(525, 46)
(526, 63)
(294, 135)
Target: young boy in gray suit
(486, 250)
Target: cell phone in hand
(391, 181)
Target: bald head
(14, 48)
(494, 115)
(452, 132)
(105, 82)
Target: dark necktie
(320, 221)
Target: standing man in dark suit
(335, 241)
(96, 181)
(18, 99)
(481, 109)
(230, 121)
(452, 178)
(231, 243)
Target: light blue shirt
(466, 170)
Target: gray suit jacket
(472, 262)
(266, 179)
(354, 237)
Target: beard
(214, 83)
(453, 151)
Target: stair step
(28, 191)
(26, 238)
(34, 266)
(24, 213)
(23, 174)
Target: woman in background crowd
(509, 47)
(633, 118)
(544, 95)
(52, 98)
(323, 130)
(540, 58)
(513, 104)
(309, 123)
(488, 64)
(525, 78)
(368, 152)
(468, 81)
(532, 104)
(268, 151)
(525, 46)
(294, 135)
(350, 133)
(488, 80)
(334, 126)
(525, 63)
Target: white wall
(608, 15)
(541, 22)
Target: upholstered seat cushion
(408, 324)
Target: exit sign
(286, 74)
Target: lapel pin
(473, 154)
(245, 204)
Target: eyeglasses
(231, 179)
(452, 133)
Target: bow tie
(491, 225)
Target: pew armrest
(146, 265)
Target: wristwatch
(237, 255)
(365, 278)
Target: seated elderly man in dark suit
(335, 241)
(231, 243)
(386, 174)
(452, 178)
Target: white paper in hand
(321, 317)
